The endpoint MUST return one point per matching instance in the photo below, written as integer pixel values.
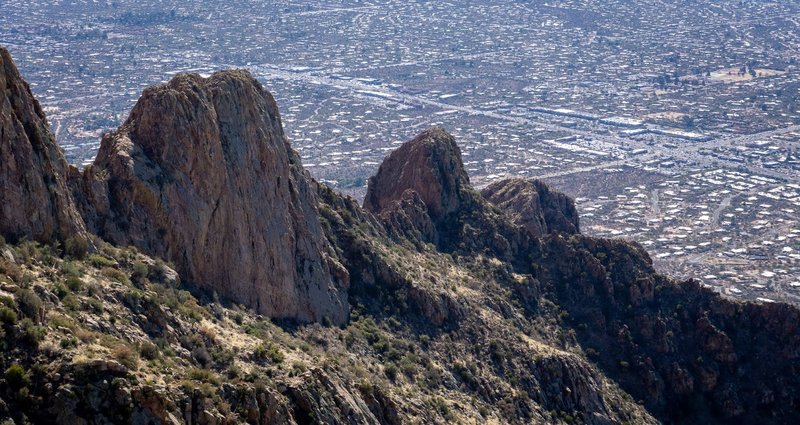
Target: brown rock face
(532, 205)
(422, 193)
(430, 165)
(408, 218)
(201, 174)
(35, 202)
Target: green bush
(30, 305)
(74, 284)
(140, 272)
(68, 343)
(222, 357)
(98, 261)
(7, 301)
(116, 274)
(269, 352)
(31, 333)
(17, 377)
(76, 247)
(60, 290)
(72, 269)
(391, 371)
(408, 365)
(8, 316)
(71, 302)
(149, 351)
(204, 375)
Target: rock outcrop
(201, 174)
(534, 206)
(431, 166)
(422, 193)
(35, 202)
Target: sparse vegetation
(270, 352)
(17, 377)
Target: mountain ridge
(446, 305)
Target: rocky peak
(202, 174)
(534, 206)
(35, 202)
(430, 164)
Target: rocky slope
(35, 203)
(201, 174)
(452, 307)
(534, 206)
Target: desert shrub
(74, 284)
(72, 269)
(13, 271)
(126, 355)
(466, 373)
(221, 357)
(67, 343)
(425, 340)
(149, 351)
(98, 261)
(201, 355)
(76, 247)
(30, 305)
(31, 333)
(408, 365)
(140, 273)
(159, 272)
(61, 321)
(438, 404)
(391, 371)
(17, 377)
(165, 348)
(116, 274)
(8, 316)
(268, 351)
(60, 290)
(71, 302)
(95, 306)
(496, 351)
(204, 375)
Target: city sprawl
(674, 124)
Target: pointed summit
(430, 165)
(202, 174)
(35, 202)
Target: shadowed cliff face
(34, 200)
(201, 174)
